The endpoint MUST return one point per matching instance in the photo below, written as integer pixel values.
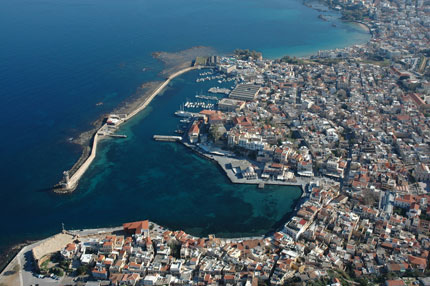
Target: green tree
(82, 269)
(57, 271)
(214, 133)
(175, 248)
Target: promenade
(224, 161)
(70, 184)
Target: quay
(167, 138)
(70, 181)
(224, 160)
(117, 135)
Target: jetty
(219, 90)
(167, 138)
(70, 181)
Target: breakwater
(69, 183)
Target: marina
(182, 113)
(199, 104)
(70, 180)
(208, 97)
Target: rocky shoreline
(173, 63)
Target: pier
(117, 135)
(167, 138)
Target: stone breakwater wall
(70, 184)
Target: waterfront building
(194, 132)
(228, 104)
(137, 227)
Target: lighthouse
(66, 179)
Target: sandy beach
(362, 26)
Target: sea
(65, 63)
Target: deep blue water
(58, 58)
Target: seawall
(70, 185)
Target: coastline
(360, 24)
(222, 161)
(10, 253)
(150, 90)
(176, 63)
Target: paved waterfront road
(27, 276)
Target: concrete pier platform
(167, 138)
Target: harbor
(226, 160)
(70, 180)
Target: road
(25, 275)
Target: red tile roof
(136, 227)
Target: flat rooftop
(230, 101)
(245, 91)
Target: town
(350, 126)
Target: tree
(246, 54)
(215, 133)
(370, 197)
(64, 264)
(175, 248)
(82, 269)
(57, 271)
(292, 60)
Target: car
(40, 276)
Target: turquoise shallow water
(58, 58)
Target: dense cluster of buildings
(358, 115)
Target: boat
(208, 97)
(219, 90)
(182, 113)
